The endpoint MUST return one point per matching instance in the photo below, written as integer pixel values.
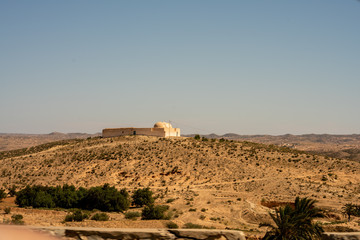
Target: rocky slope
(215, 183)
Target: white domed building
(160, 129)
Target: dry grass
(225, 182)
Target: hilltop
(212, 182)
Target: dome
(162, 125)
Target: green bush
(17, 219)
(143, 196)
(350, 209)
(2, 194)
(192, 226)
(43, 199)
(170, 200)
(132, 215)
(7, 210)
(12, 191)
(154, 212)
(295, 221)
(77, 216)
(104, 198)
(100, 217)
(172, 225)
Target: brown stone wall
(141, 233)
(114, 132)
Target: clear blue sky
(247, 67)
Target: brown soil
(214, 183)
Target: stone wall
(78, 233)
(140, 233)
(157, 132)
(115, 132)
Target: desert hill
(212, 182)
(336, 146)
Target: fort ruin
(160, 129)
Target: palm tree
(295, 223)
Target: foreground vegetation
(208, 182)
(104, 198)
(295, 223)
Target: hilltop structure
(160, 129)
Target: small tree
(197, 137)
(7, 210)
(349, 209)
(2, 194)
(143, 197)
(12, 191)
(17, 219)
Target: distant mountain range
(11, 141)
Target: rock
(341, 236)
(207, 234)
(141, 233)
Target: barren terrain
(214, 183)
(337, 146)
(11, 141)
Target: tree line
(104, 198)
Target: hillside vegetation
(217, 183)
(336, 146)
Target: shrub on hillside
(2, 194)
(7, 210)
(77, 216)
(17, 219)
(192, 226)
(132, 215)
(170, 200)
(12, 191)
(154, 212)
(172, 225)
(197, 137)
(142, 196)
(100, 217)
